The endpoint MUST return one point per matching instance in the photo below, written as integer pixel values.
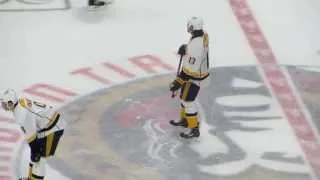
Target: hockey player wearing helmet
(9, 99)
(41, 125)
(195, 68)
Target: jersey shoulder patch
(25, 103)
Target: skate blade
(93, 8)
(188, 139)
(96, 8)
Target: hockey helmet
(8, 99)
(194, 23)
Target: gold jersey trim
(195, 74)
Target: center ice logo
(244, 133)
(261, 138)
(33, 5)
(257, 135)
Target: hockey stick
(178, 71)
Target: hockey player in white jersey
(195, 68)
(42, 127)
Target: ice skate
(93, 5)
(193, 133)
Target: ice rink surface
(108, 72)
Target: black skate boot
(93, 4)
(194, 132)
(182, 123)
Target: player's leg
(40, 149)
(191, 110)
(36, 166)
(51, 143)
(37, 170)
(182, 112)
(182, 118)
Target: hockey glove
(182, 50)
(176, 84)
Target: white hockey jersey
(36, 119)
(196, 61)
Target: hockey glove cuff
(176, 84)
